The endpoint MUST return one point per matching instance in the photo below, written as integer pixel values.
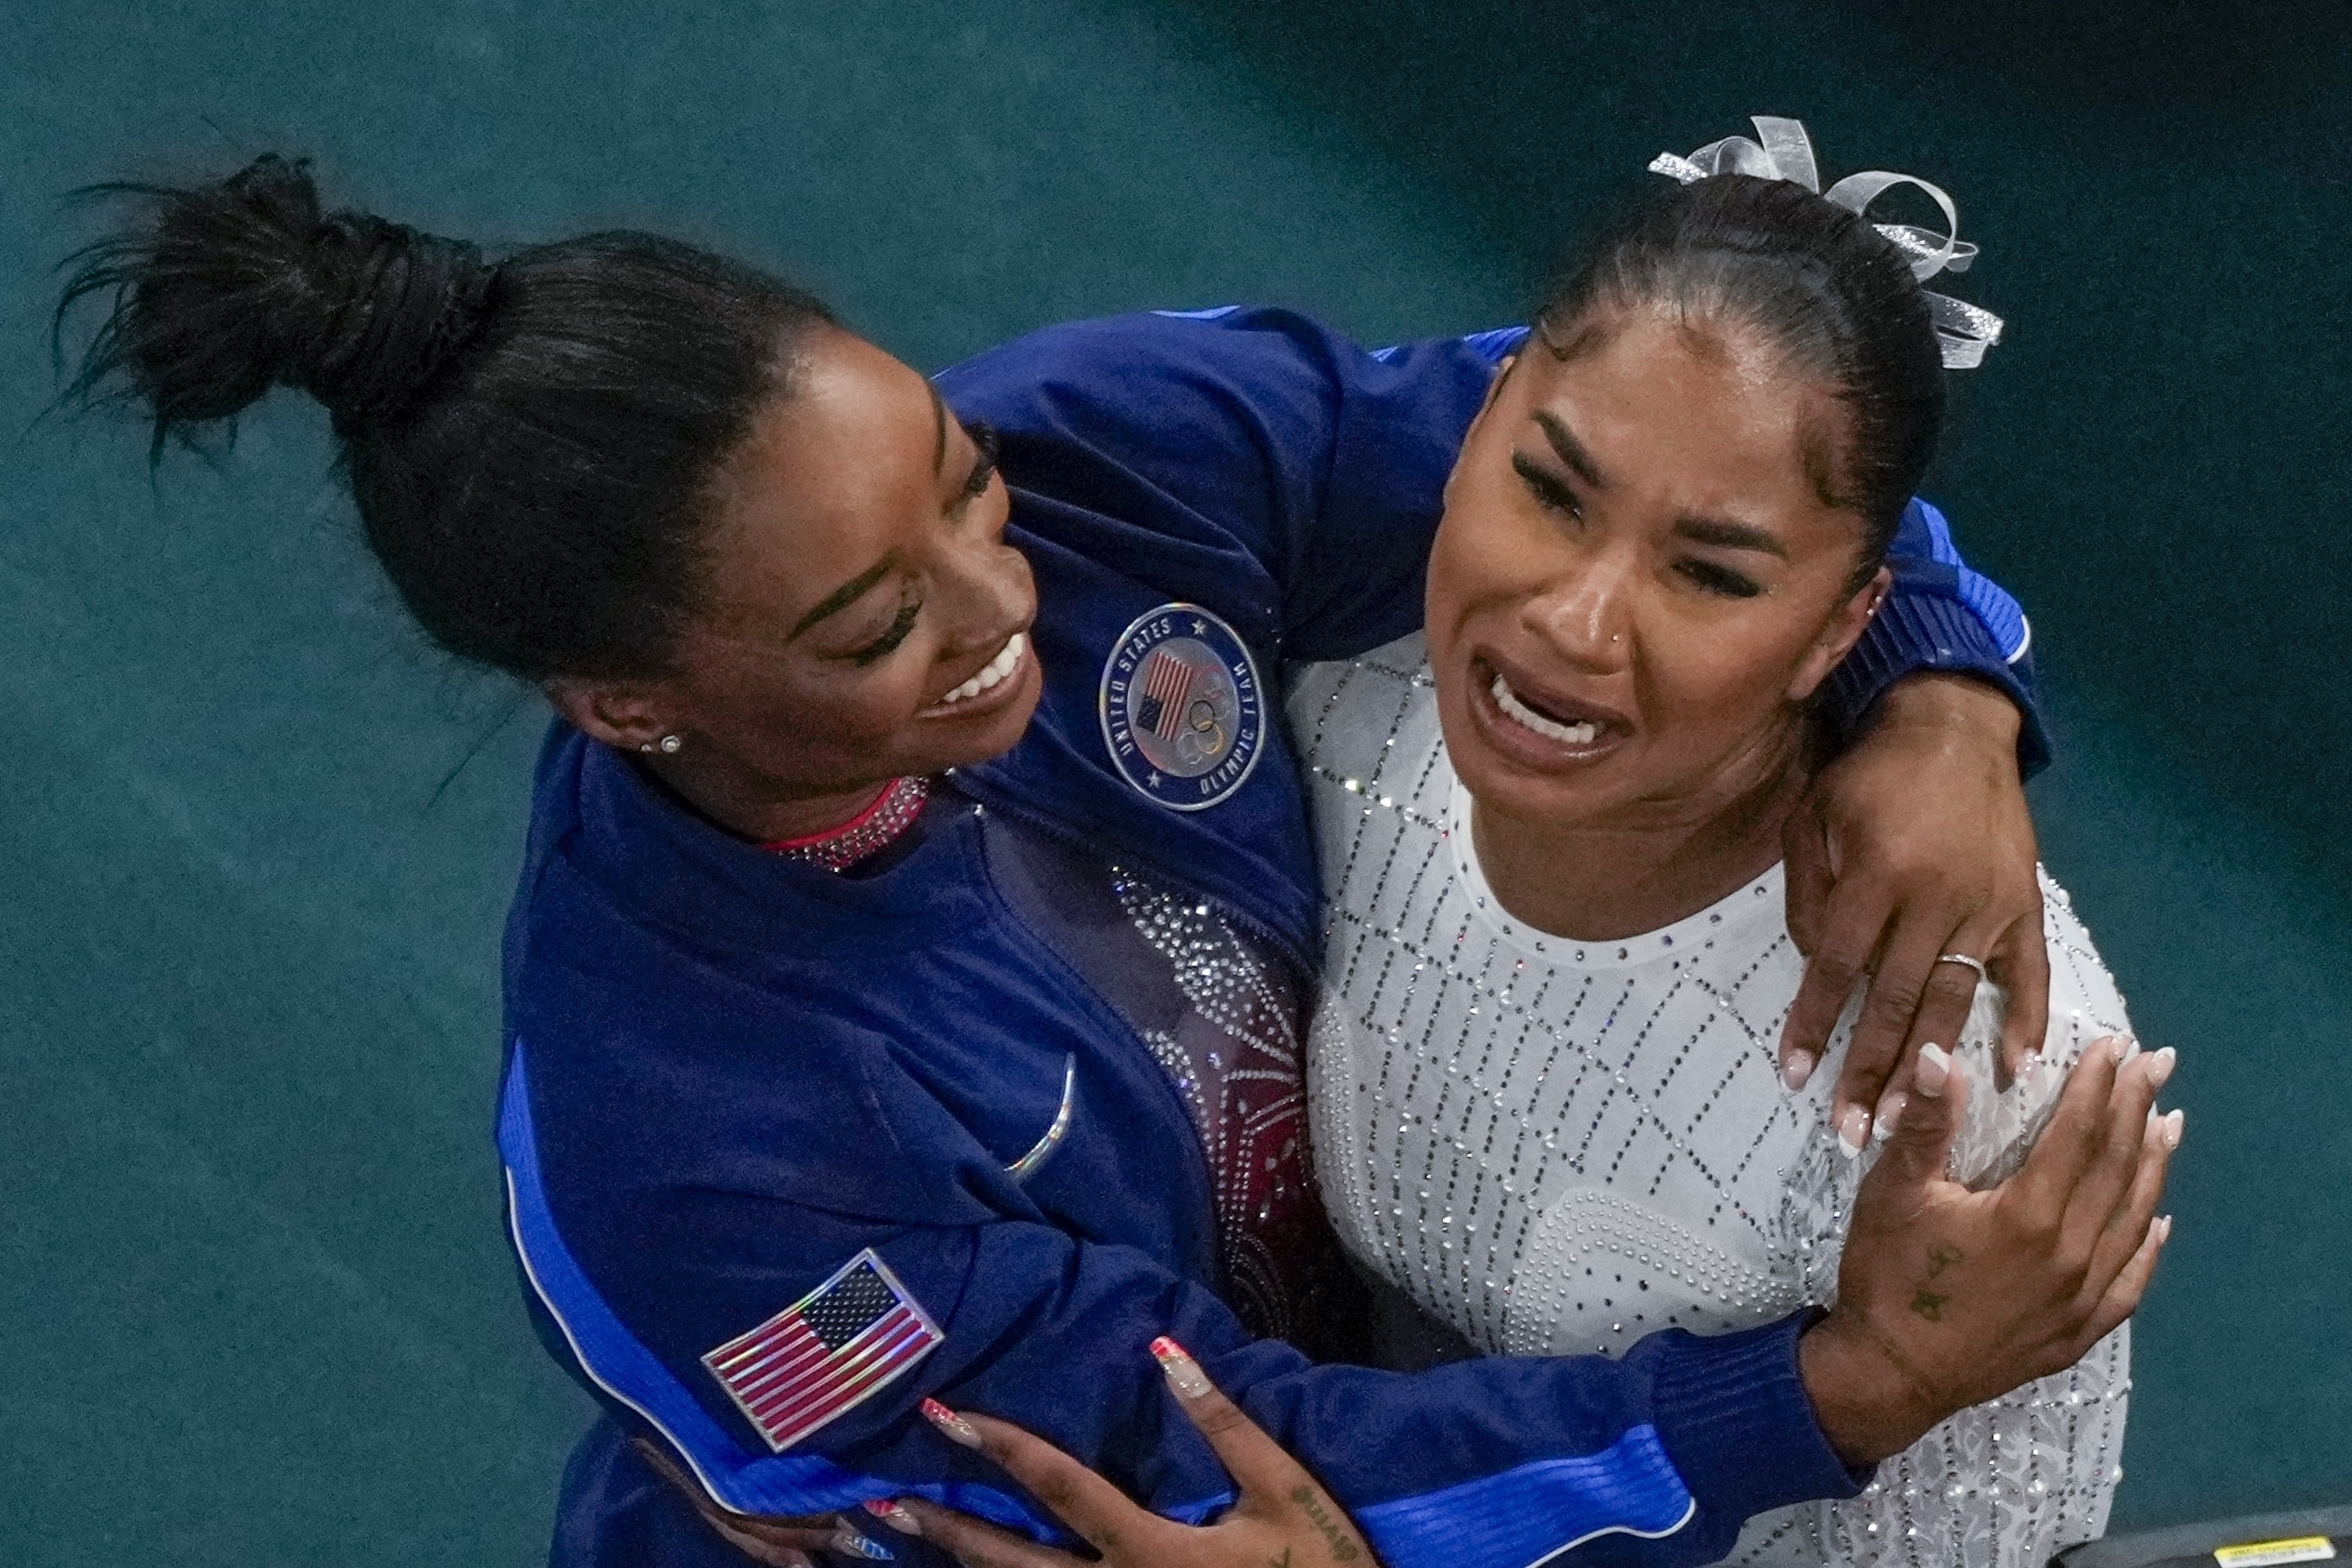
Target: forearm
(1495, 1461)
(1670, 1449)
(1959, 716)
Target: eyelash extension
(1559, 498)
(888, 642)
(1720, 579)
(984, 438)
(1548, 490)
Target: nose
(1584, 615)
(992, 593)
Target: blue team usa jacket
(761, 1123)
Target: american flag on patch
(829, 1352)
(1167, 680)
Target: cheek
(1718, 678)
(789, 726)
(1444, 589)
(1483, 553)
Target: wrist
(1869, 1403)
(1954, 702)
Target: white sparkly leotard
(1560, 1147)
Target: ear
(1839, 636)
(624, 715)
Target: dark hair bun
(530, 446)
(236, 287)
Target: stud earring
(668, 746)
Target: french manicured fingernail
(892, 1513)
(851, 1543)
(2174, 1125)
(2120, 1048)
(956, 1428)
(1797, 1071)
(1853, 1131)
(2161, 1065)
(1889, 1112)
(1933, 1071)
(1184, 1374)
(2164, 1230)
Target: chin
(1502, 786)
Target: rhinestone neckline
(870, 831)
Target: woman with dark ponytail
(904, 989)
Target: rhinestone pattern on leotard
(1243, 1082)
(1561, 1147)
(868, 833)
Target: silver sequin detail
(1560, 1147)
(874, 829)
(1253, 1044)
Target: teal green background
(256, 838)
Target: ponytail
(531, 444)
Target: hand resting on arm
(1947, 1297)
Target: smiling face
(1641, 574)
(861, 616)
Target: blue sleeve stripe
(1534, 1513)
(612, 1358)
(1987, 600)
(1939, 546)
(1497, 344)
(1494, 346)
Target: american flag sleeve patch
(827, 1353)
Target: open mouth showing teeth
(1007, 659)
(1583, 734)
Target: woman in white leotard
(1544, 1091)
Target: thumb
(1921, 1141)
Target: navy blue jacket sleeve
(1324, 465)
(1312, 463)
(1488, 1463)
(1940, 615)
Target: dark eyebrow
(1730, 536)
(938, 413)
(1571, 452)
(848, 593)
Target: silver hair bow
(1783, 151)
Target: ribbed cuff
(1917, 631)
(1736, 1420)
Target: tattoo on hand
(1929, 1305)
(1342, 1549)
(1942, 1257)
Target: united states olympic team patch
(1183, 713)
